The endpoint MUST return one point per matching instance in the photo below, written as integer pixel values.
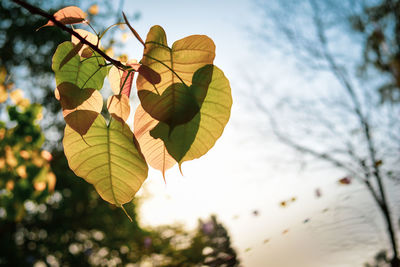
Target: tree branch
(40, 12)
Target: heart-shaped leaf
(179, 104)
(88, 73)
(118, 106)
(176, 67)
(108, 158)
(194, 138)
(80, 106)
(154, 150)
(67, 15)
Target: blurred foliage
(67, 223)
(380, 24)
(25, 172)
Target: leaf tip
(180, 168)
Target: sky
(247, 174)
(247, 170)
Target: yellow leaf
(154, 150)
(173, 100)
(51, 181)
(21, 171)
(24, 154)
(16, 96)
(107, 157)
(93, 9)
(10, 158)
(67, 15)
(24, 103)
(46, 155)
(10, 185)
(37, 159)
(118, 106)
(2, 163)
(196, 137)
(80, 106)
(114, 77)
(39, 186)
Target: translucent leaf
(194, 138)
(118, 106)
(154, 150)
(67, 15)
(87, 73)
(86, 51)
(108, 158)
(80, 106)
(71, 54)
(176, 66)
(119, 79)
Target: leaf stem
(90, 25)
(165, 65)
(126, 78)
(109, 27)
(126, 213)
(91, 76)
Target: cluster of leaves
(25, 172)
(185, 105)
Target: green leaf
(194, 138)
(87, 73)
(108, 158)
(172, 97)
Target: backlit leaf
(154, 150)
(86, 51)
(176, 66)
(71, 54)
(108, 158)
(85, 74)
(149, 74)
(118, 106)
(122, 79)
(80, 106)
(67, 15)
(194, 138)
